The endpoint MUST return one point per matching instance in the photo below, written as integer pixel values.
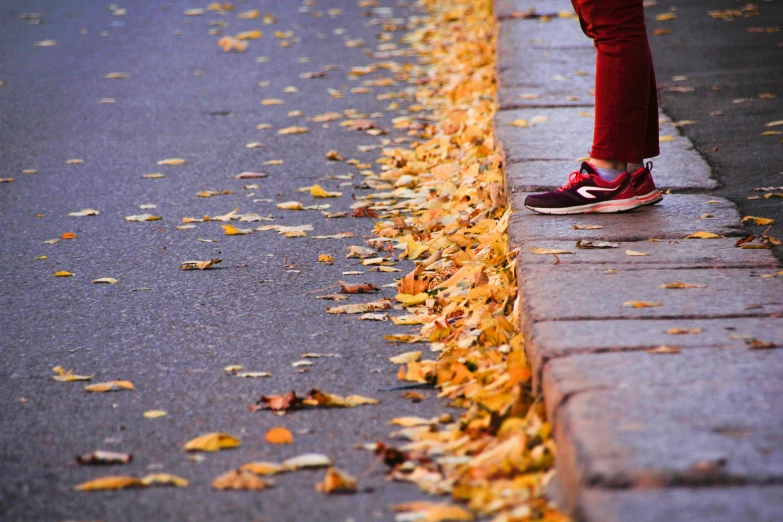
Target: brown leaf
(337, 481)
(357, 288)
(364, 212)
(240, 480)
(289, 401)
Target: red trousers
(626, 99)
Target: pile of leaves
(448, 213)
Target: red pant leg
(626, 104)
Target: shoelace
(574, 178)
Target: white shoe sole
(606, 207)
(651, 198)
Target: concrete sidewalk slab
(549, 340)
(716, 253)
(505, 8)
(717, 504)
(574, 293)
(700, 417)
(674, 218)
(565, 136)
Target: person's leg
(626, 120)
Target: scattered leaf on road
(101, 457)
(240, 480)
(109, 386)
(112, 482)
(337, 481)
(279, 435)
(212, 442)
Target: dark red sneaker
(644, 186)
(586, 192)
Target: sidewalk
(696, 432)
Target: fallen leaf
(164, 479)
(588, 227)
(249, 35)
(641, 304)
(285, 402)
(374, 317)
(334, 155)
(290, 205)
(84, 212)
(154, 414)
(635, 253)
(116, 75)
(254, 145)
(545, 251)
(240, 480)
(357, 288)
(307, 461)
(758, 220)
(596, 244)
(683, 331)
(318, 192)
(74, 161)
(112, 482)
(142, 217)
(337, 481)
(231, 230)
(756, 344)
(325, 258)
(100, 457)
(171, 161)
(106, 280)
(703, 235)
(407, 357)
(6, 180)
(198, 265)
(63, 273)
(680, 284)
(212, 442)
(153, 175)
(46, 43)
(293, 130)
(521, 123)
(262, 468)
(64, 375)
(279, 435)
(409, 422)
(360, 308)
(253, 375)
(412, 300)
(663, 350)
(109, 386)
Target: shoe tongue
(586, 168)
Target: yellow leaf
(63, 273)
(198, 265)
(110, 386)
(231, 230)
(279, 435)
(262, 468)
(116, 75)
(153, 175)
(406, 357)
(337, 481)
(521, 123)
(290, 205)
(164, 479)
(249, 35)
(171, 161)
(154, 414)
(239, 480)
(758, 220)
(683, 331)
(641, 304)
(703, 235)
(64, 375)
(293, 130)
(318, 192)
(665, 16)
(212, 442)
(663, 350)
(272, 101)
(635, 253)
(325, 258)
(665, 138)
(412, 300)
(447, 513)
(409, 422)
(112, 482)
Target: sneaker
(644, 186)
(586, 192)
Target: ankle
(608, 164)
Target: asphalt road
(169, 331)
(735, 66)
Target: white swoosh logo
(585, 191)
